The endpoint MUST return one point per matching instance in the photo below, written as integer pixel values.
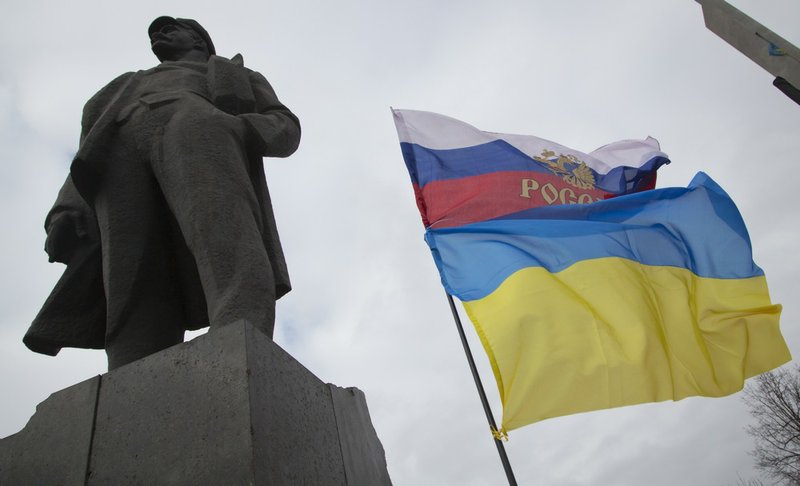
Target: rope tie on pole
(499, 434)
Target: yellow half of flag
(610, 332)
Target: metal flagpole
(497, 442)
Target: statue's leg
(144, 300)
(202, 169)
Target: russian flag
(461, 174)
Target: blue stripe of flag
(697, 228)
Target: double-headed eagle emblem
(570, 168)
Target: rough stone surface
(177, 417)
(292, 407)
(229, 407)
(53, 448)
(362, 452)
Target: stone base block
(230, 407)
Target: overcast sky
(367, 309)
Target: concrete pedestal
(230, 407)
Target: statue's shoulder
(110, 89)
(97, 103)
(117, 82)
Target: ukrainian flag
(645, 297)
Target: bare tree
(749, 482)
(774, 402)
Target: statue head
(173, 39)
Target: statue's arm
(70, 224)
(277, 129)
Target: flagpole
(497, 442)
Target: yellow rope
(499, 434)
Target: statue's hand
(64, 235)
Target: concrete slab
(54, 446)
(181, 416)
(229, 407)
(362, 452)
(295, 436)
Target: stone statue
(165, 221)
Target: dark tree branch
(774, 402)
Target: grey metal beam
(752, 39)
